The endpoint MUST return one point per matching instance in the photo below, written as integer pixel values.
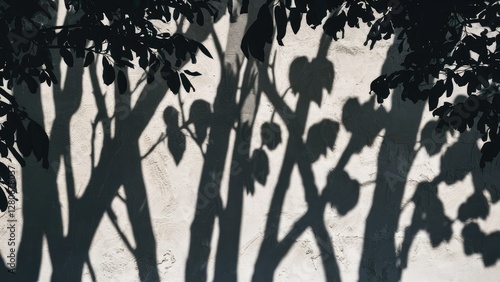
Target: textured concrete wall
(379, 151)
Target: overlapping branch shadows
(69, 253)
(429, 214)
(342, 192)
(117, 165)
(401, 124)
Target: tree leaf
(341, 191)
(40, 142)
(295, 20)
(321, 136)
(260, 166)
(89, 58)
(191, 73)
(200, 115)
(271, 135)
(204, 50)
(108, 73)
(186, 83)
(173, 82)
(171, 117)
(67, 56)
(176, 143)
(380, 87)
(281, 23)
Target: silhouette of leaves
(89, 59)
(335, 24)
(108, 73)
(321, 136)
(186, 83)
(176, 141)
(295, 19)
(200, 115)
(475, 241)
(309, 79)
(40, 143)
(174, 82)
(271, 135)
(432, 139)
(281, 23)
(380, 87)
(260, 163)
(258, 34)
(430, 211)
(341, 191)
(67, 56)
(476, 206)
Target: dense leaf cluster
(447, 43)
(123, 32)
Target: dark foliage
(120, 31)
(447, 43)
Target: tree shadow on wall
(307, 80)
(381, 259)
(118, 164)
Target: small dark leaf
(191, 73)
(449, 86)
(335, 24)
(171, 117)
(295, 20)
(173, 82)
(32, 84)
(40, 142)
(321, 136)
(108, 73)
(271, 135)
(342, 191)
(67, 56)
(176, 143)
(260, 166)
(380, 87)
(199, 18)
(281, 23)
(89, 58)
(200, 115)
(204, 50)
(186, 83)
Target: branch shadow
(118, 164)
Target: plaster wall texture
(171, 189)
